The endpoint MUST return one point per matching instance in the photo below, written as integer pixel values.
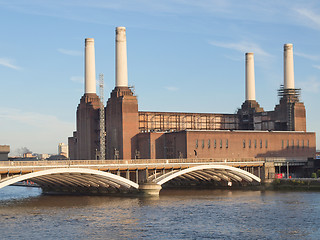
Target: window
(292, 142)
(220, 143)
(282, 145)
(202, 143)
(266, 143)
(209, 143)
(297, 143)
(307, 143)
(227, 144)
(287, 143)
(244, 143)
(250, 143)
(302, 143)
(196, 143)
(260, 143)
(255, 143)
(215, 143)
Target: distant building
(251, 132)
(43, 156)
(28, 155)
(4, 151)
(57, 157)
(63, 150)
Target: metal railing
(127, 162)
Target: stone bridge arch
(209, 173)
(76, 180)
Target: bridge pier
(149, 189)
(137, 176)
(128, 174)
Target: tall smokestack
(250, 81)
(288, 66)
(90, 68)
(121, 58)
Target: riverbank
(305, 184)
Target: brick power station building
(249, 133)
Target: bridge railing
(125, 162)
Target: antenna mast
(102, 124)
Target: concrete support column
(121, 58)
(150, 189)
(268, 171)
(128, 174)
(250, 79)
(147, 174)
(137, 176)
(288, 66)
(90, 69)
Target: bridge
(146, 176)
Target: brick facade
(227, 144)
(122, 125)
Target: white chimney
(90, 68)
(288, 66)
(250, 81)
(121, 58)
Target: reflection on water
(175, 214)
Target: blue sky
(183, 55)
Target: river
(176, 214)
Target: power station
(252, 132)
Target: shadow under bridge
(75, 180)
(205, 174)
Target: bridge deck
(15, 167)
(147, 176)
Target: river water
(176, 214)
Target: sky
(183, 56)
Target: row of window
(215, 143)
(293, 145)
(253, 143)
(220, 142)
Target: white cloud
(234, 58)
(171, 88)
(316, 66)
(308, 17)
(39, 132)
(8, 63)
(242, 47)
(307, 56)
(77, 79)
(312, 85)
(33, 119)
(70, 52)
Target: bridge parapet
(126, 162)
